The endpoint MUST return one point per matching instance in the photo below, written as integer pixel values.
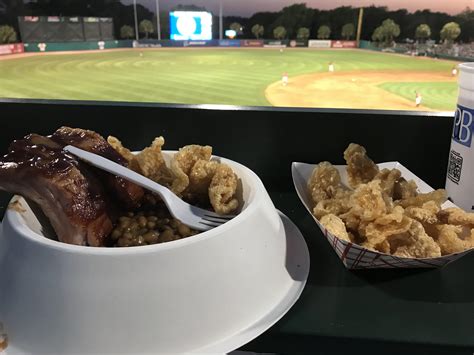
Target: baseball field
(361, 79)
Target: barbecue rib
(72, 198)
(127, 193)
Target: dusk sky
(248, 7)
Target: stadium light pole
(136, 18)
(359, 25)
(158, 27)
(220, 20)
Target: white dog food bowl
(211, 292)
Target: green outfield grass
(204, 76)
(439, 96)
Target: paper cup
(461, 156)
(355, 256)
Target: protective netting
(65, 29)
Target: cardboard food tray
(355, 256)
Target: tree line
(388, 31)
(294, 21)
(341, 22)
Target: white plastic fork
(192, 216)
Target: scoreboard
(190, 25)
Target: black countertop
(429, 307)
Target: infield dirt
(358, 90)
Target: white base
(297, 265)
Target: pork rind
(415, 243)
(190, 154)
(384, 212)
(456, 216)
(452, 238)
(438, 196)
(117, 145)
(390, 224)
(195, 175)
(404, 189)
(324, 182)
(337, 205)
(352, 221)
(367, 201)
(183, 162)
(388, 179)
(191, 175)
(200, 177)
(149, 162)
(427, 214)
(383, 247)
(222, 190)
(360, 168)
(335, 226)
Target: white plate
(297, 265)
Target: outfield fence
(255, 43)
(75, 46)
(153, 43)
(267, 43)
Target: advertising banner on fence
(11, 48)
(200, 43)
(31, 18)
(91, 19)
(229, 43)
(148, 44)
(275, 44)
(318, 43)
(251, 43)
(343, 44)
(298, 43)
